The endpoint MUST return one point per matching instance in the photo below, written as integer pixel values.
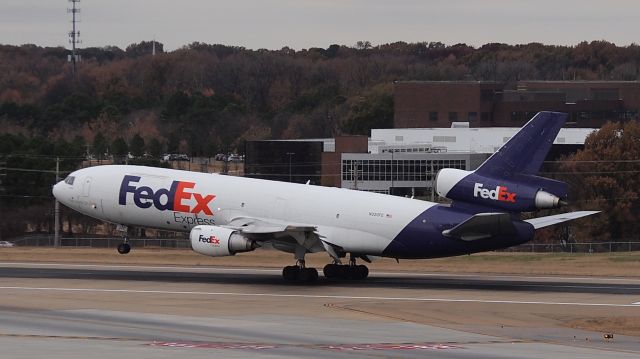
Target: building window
(398, 170)
(433, 116)
(453, 116)
(444, 138)
(517, 116)
(473, 116)
(486, 95)
(484, 116)
(628, 114)
(346, 170)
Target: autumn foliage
(205, 98)
(605, 176)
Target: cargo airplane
(225, 215)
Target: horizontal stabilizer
(542, 222)
(482, 226)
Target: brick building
(286, 161)
(423, 104)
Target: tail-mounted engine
(518, 193)
(217, 241)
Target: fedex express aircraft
(226, 215)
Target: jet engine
(516, 193)
(218, 241)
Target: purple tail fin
(525, 152)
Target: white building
(406, 161)
(458, 139)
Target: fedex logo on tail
(498, 194)
(176, 198)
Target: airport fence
(590, 247)
(178, 243)
(101, 242)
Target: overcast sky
(301, 24)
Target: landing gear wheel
(290, 273)
(298, 274)
(331, 270)
(308, 275)
(348, 271)
(360, 272)
(124, 248)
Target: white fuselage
(357, 221)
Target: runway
(69, 311)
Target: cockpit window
(69, 180)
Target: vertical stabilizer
(525, 152)
(507, 180)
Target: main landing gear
(346, 271)
(299, 273)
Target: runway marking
(106, 266)
(243, 346)
(265, 270)
(124, 266)
(390, 346)
(551, 284)
(338, 347)
(314, 296)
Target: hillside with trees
(202, 98)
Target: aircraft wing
(482, 226)
(250, 226)
(542, 222)
(282, 236)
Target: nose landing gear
(124, 247)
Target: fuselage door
(86, 187)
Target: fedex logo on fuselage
(175, 198)
(498, 194)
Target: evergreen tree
(100, 146)
(155, 148)
(119, 147)
(137, 145)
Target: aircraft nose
(57, 190)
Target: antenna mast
(74, 36)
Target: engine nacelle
(217, 241)
(518, 193)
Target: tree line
(204, 98)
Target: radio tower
(74, 36)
